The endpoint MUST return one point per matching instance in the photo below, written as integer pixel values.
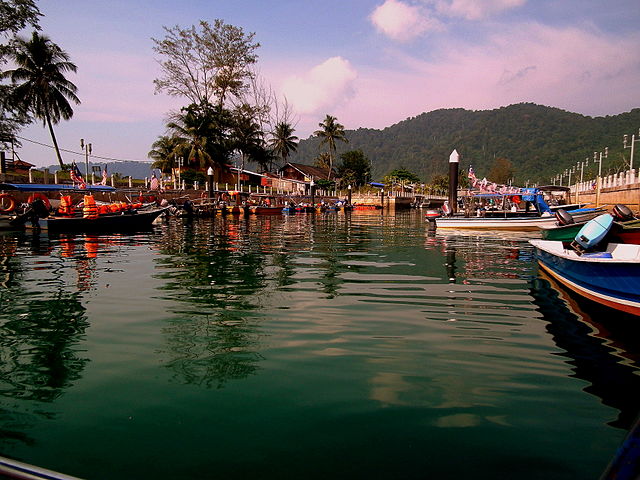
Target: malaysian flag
(472, 176)
(104, 176)
(76, 176)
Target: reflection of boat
(610, 277)
(126, 221)
(601, 347)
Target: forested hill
(539, 141)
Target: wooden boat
(610, 276)
(133, 220)
(266, 210)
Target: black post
(349, 195)
(313, 195)
(382, 198)
(3, 163)
(454, 160)
(210, 181)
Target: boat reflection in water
(601, 344)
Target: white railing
(620, 179)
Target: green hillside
(539, 141)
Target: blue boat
(610, 276)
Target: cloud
(321, 88)
(402, 22)
(476, 9)
(581, 70)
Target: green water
(329, 346)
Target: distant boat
(610, 277)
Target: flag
(76, 176)
(104, 176)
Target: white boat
(530, 223)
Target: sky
(370, 63)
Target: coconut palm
(164, 152)
(283, 141)
(247, 135)
(41, 88)
(331, 131)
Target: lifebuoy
(40, 196)
(7, 203)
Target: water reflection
(602, 346)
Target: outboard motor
(564, 217)
(622, 213)
(188, 206)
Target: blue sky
(370, 63)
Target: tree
(501, 171)
(202, 134)
(14, 16)
(40, 87)
(402, 174)
(206, 63)
(322, 161)
(283, 141)
(355, 168)
(247, 136)
(164, 152)
(330, 131)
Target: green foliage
(402, 174)
(39, 87)
(501, 171)
(539, 141)
(355, 169)
(330, 131)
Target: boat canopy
(49, 187)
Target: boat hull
(520, 224)
(134, 221)
(613, 282)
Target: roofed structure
(304, 173)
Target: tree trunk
(53, 138)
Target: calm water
(336, 346)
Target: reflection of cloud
(324, 86)
(402, 22)
(387, 388)
(459, 420)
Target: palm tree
(40, 85)
(164, 151)
(331, 131)
(247, 135)
(283, 141)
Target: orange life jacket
(66, 206)
(90, 210)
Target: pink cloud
(578, 70)
(402, 22)
(322, 87)
(476, 9)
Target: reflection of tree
(219, 274)
(596, 350)
(37, 341)
(39, 357)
